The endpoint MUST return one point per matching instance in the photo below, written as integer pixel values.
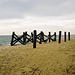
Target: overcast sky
(42, 15)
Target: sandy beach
(47, 59)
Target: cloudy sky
(42, 15)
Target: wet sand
(47, 59)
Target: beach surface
(47, 59)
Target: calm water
(6, 39)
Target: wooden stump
(59, 37)
(12, 38)
(24, 37)
(69, 36)
(34, 39)
(49, 36)
(54, 36)
(64, 36)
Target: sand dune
(47, 59)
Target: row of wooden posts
(59, 40)
(34, 38)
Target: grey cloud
(54, 8)
(21, 8)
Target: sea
(6, 39)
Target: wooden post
(54, 36)
(49, 36)
(12, 39)
(69, 36)
(40, 38)
(24, 37)
(34, 39)
(64, 36)
(59, 37)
